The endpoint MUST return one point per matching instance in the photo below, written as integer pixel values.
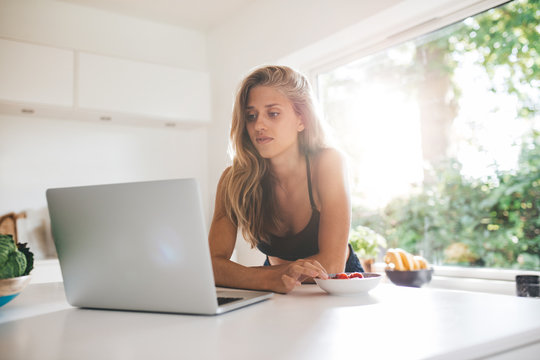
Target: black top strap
(309, 184)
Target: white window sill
(496, 281)
(501, 287)
(481, 273)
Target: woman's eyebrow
(266, 106)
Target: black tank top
(300, 245)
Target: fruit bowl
(11, 287)
(355, 286)
(411, 278)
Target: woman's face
(271, 122)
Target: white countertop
(390, 322)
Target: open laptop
(138, 246)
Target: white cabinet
(152, 90)
(49, 82)
(35, 74)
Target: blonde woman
(286, 190)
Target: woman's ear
(300, 126)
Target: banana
(394, 258)
(401, 260)
(421, 262)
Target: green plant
(366, 242)
(15, 260)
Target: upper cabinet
(51, 82)
(132, 87)
(35, 74)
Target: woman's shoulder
(329, 174)
(329, 159)
(223, 178)
(226, 171)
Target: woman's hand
(288, 276)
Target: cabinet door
(35, 74)
(132, 87)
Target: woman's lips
(263, 139)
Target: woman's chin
(264, 154)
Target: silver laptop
(138, 246)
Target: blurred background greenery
(453, 220)
(450, 216)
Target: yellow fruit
(407, 260)
(421, 262)
(399, 259)
(394, 258)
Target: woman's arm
(222, 238)
(332, 188)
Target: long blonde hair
(248, 192)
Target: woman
(286, 190)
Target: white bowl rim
(338, 287)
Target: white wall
(37, 153)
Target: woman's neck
(287, 168)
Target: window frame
(453, 277)
(372, 42)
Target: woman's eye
(251, 117)
(273, 114)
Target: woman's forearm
(228, 273)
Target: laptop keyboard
(225, 300)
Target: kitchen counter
(389, 322)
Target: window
(443, 135)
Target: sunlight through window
(443, 137)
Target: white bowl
(354, 286)
(11, 287)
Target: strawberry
(356, 275)
(341, 276)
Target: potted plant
(366, 243)
(16, 262)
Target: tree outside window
(443, 135)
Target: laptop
(138, 246)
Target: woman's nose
(260, 123)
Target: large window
(443, 135)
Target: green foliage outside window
(492, 223)
(452, 219)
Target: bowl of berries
(349, 283)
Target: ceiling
(200, 15)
